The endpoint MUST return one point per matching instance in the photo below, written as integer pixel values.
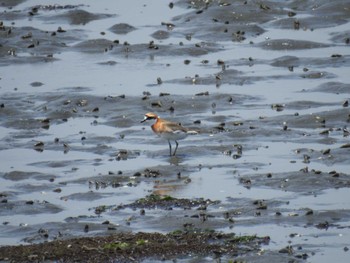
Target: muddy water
(268, 92)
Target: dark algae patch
(134, 247)
(167, 202)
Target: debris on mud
(164, 202)
(167, 202)
(133, 247)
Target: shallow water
(278, 92)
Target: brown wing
(173, 126)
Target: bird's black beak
(145, 119)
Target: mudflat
(265, 84)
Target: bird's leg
(177, 144)
(170, 147)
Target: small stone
(309, 212)
(38, 144)
(156, 104)
(277, 107)
(60, 30)
(206, 93)
(287, 250)
(327, 151)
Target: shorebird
(171, 131)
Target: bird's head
(150, 116)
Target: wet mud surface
(266, 179)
